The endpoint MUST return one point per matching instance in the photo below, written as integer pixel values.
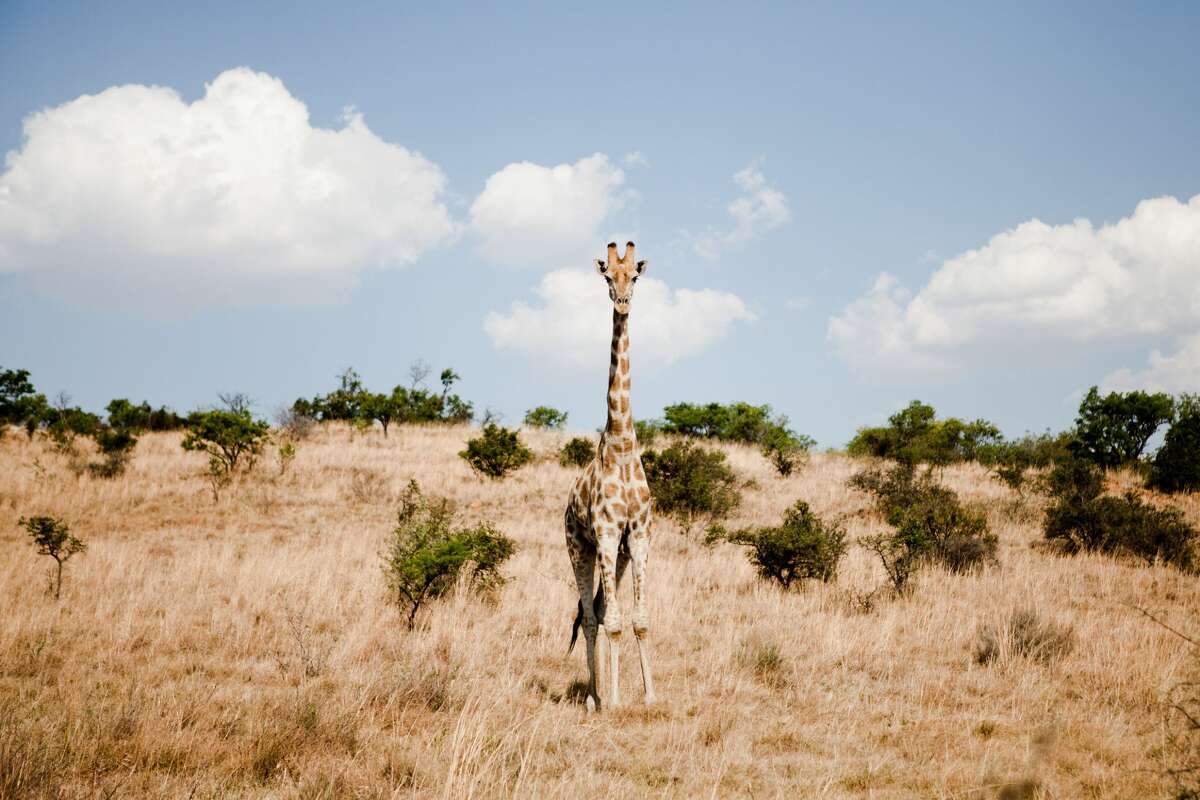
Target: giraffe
(608, 513)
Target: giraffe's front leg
(608, 541)
(639, 550)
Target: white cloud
(133, 195)
(759, 209)
(571, 323)
(1037, 284)
(528, 214)
(634, 158)
(1175, 373)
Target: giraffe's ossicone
(608, 514)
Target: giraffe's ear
(641, 266)
(602, 266)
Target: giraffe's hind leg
(583, 562)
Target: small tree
(230, 439)
(427, 554)
(578, 452)
(802, 547)
(546, 417)
(498, 452)
(53, 538)
(383, 408)
(689, 482)
(1177, 463)
(1113, 429)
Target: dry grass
(246, 648)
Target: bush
(784, 448)
(1012, 462)
(688, 482)
(578, 452)
(1082, 518)
(1024, 634)
(53, 538)
(426, 554)
(230, 439)
(647, 431)
(116, 445)
(352, 403)
(19, 404)
(737, 422)
(929, 524)
(546, 417)
(1113, 429)
(1177, 464)
(914, 436)
(498, 452)
(802, 547)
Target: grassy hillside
(246, 648)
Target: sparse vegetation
(497, 452)
(1023, 634)
(426, 554)
(52, 537)
(802, 547)
(690, 483)
(546, 417)
(577, 452)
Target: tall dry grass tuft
(248, 648)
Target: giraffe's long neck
(620, 441)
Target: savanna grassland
(247, 647)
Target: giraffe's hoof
(591, 706)
(651, 699)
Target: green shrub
(1082, 518)
(116, 446)
(125, 415)
(1113, 429)
(647, 431)
(1176, 466)
(578, 452)
(929, 524)
(546, 417)
(53, 538)
(19, 404)
(802, 547)
(785, 449)
(688, 482)
(65, 424)
(352, 403)
(427, 554)
(1013, 462)
(914, 436)
(498, 452)
(230, 439)
(901, 556)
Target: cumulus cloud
(1037, 284)
(570, 323)
(760, 208)
(528, 214)
(1175, 373)
(134, 195)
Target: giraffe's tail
(597, 609)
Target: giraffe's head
(621, 273)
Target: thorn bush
(1082, 518)
(802, 547)
(578, 452)
(427, 555)
(689, 482)
(496, 453)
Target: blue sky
(771, 160)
